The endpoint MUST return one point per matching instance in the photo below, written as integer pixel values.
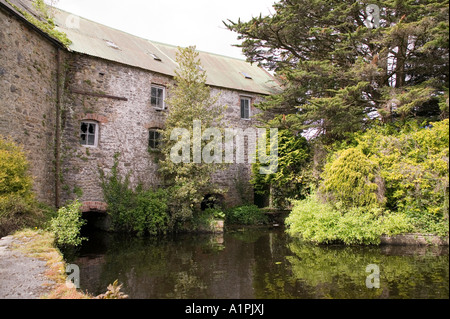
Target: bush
(293, 175)
(14, 176)
(151, 212)
(352, 179)
(246, 215)
(18, 208)
(204, 220)
(323, 223)
(17, 212)
(67, 225)
(414, 166)
(137, 211)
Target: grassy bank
(41, 244)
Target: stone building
(74, 107)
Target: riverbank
(31, 267)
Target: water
(257, 263)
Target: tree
(292, 178)
(190, 105)
(339, 74)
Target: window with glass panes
(157, 96)
(88, 133)
(154, 139)
(245, 108)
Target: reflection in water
(257, 263)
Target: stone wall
(113, 95)
(117, 97)
(28, 97)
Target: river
(257, 263)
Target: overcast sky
(176, 22)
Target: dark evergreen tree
(342, 63)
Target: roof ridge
(142, 38)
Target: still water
(257, 263)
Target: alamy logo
(373, 16)
(73, 276)
(230, 149)
(373, 279)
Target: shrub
(323, 223)
(119, 197)
(137, 211)
(414, 166)
(151, 212)
(16, 213)
(14, 176)
(18, 208)
(67, 225)
(292, 177)
(352, 179)
(204, 220)
(246, 215)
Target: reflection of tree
(259, 264)
(339, 272)
(185, 285)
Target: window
(154, 139)
(89, 133)
(245, 108)
(246, 75)
(112, 44)
(155, 57)
(157, 97)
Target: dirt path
(21, 276)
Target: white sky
(176, 22)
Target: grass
(40, 244)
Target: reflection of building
(74, 108)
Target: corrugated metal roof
(98, 40)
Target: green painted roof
(101, 41)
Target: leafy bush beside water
(139, 211)
(67, 225)
(322, 223)
(391, 180)
(245, 215)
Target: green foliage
(67, 225)
(322, 223)
(204, 220)
(48, 26)
(14, 176)
(137, 211)
(151, 212)
(414, 163)
(17, 212)
(18, 208)
(353, 179)
(292, 177)
(190, 100)
(334, 69)
(245, 215)
(118, 196)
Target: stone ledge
(93, 206)
(414, 239)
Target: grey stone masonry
(104, 107)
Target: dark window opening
(245, 108)
(88, 133)
(154, 139)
